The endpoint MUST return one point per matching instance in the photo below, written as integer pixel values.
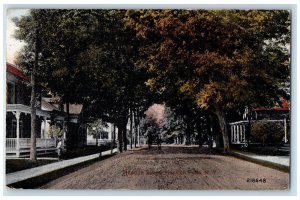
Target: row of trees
(86, 57)
(118, 62)
(175, 128)
(218, 60)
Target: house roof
(53, 104)
(48, 106)
(74, 108)
(285, 106)
(275, 108)
(15, 71)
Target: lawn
(13, 165)
(84, 151)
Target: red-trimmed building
(279, 113)
(16, 92)
(18, 118)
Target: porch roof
(15, 71)
(25, 109)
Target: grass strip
(36, 182)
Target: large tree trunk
(187, 136)
(136, 122)
(131, 127)
(199, 131)
(33, 103)
(97, 140)
(120, 138)
(124, 131)
(68, 135)
(223, 125)
(113, 135)
(33, 120)
(209, 134)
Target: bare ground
(173, 168)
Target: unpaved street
(172, 168)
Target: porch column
(234, 133)
(138, 136)
(238, 134)
(17, 115)
(285, 130)
(241, 133)
(110, 133)
(231, 131)
(43, 136)
(244, 128)
(64, 130)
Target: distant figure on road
(149, 140)
(59, 148)
(159, 142)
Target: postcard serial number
(256, 180)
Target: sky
(12, 45)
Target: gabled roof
(48, 106)
(53, 104)
(285, 106)
(75, 109)
(10, 68)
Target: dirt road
(172, 168)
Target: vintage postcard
(148, 99)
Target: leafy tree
(67, 38)
(220, 58)
(171, 124)
(96, 128)
(150, 129)
(31, 30)
(79, 42)
(191, 60)
(40, 57)
(117, 82)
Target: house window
(10, 93)
(13, 131)
(104, 135)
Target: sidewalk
(23, 175)
(282, 162)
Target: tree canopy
(114, 61)
(219, 58)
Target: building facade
(239, 131)
(18, 118)
(51, 119)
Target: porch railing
(238, 132)
(11, 143)
(100, 141)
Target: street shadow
(177, 150)
(178, 158)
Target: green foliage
(116, 60)
(267, 132)
(217, 57)
(171, 124)
(96, 128)
(149, 127)
(14, 165)
(221, 59)
(55, 131)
